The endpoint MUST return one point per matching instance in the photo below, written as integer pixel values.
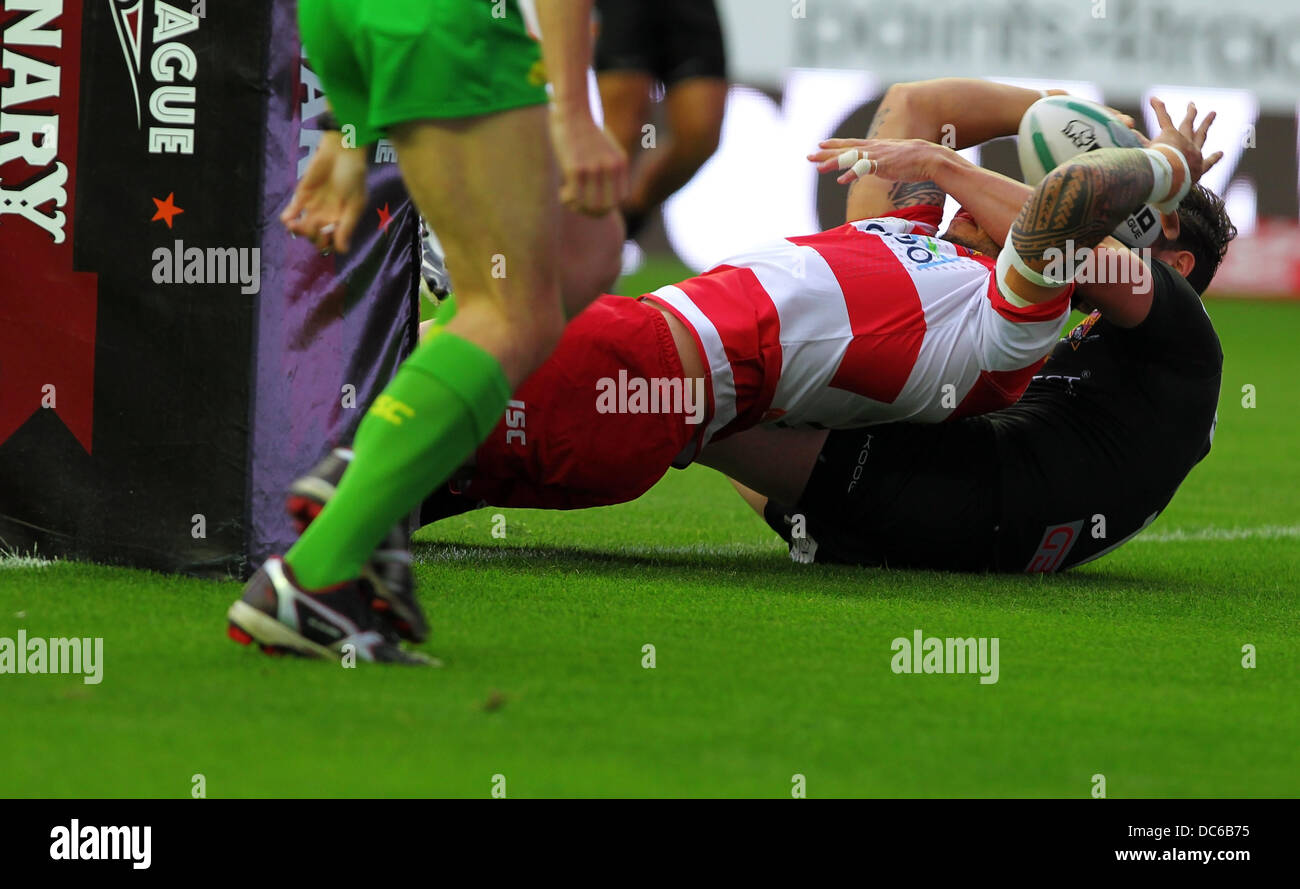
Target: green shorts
(383, 62)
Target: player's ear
(1170, 225)
(1183, 261)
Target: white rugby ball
(1057, 128)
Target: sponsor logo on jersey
(1080, 332)
(921, 251)
(1056, 544)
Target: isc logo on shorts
(1057, 542)
(515, 423)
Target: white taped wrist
(1004, 263)
(1163, 195)
(1009, 258)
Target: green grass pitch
(1130, 667)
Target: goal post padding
(160, 385)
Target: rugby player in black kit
(1115, 420)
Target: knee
(697, 133)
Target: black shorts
(670, 39)
(900, 495)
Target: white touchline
(1180, 535)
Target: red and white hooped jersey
(871, 322)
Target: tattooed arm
(1073, 210)
(1065, 226)
(1066, 222)
(1080, 203)
(956, 112)
(906, 172)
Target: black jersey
(1107, 431)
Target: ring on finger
(865, 166)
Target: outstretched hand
(1187, 137)
(902, 160)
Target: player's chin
(965, 233)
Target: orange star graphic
(166, 209)
(384, 218)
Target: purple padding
(324, 322)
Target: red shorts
(554, 448)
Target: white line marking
(1181, 535)
(453, 552)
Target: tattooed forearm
(916, 194)
(1081, 201)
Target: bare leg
(496, 208)
(695, 108)
(497, 213)
(775, 463)
(625, 97)
(756, 501)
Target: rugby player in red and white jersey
(1127, 402)
(874, 321)
(871, 322)
(877, 320)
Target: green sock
(444, 400)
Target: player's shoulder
(918, 220)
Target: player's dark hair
(1205, 231)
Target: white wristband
(1010, 258)
(1163, 170)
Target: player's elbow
(909, 114)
